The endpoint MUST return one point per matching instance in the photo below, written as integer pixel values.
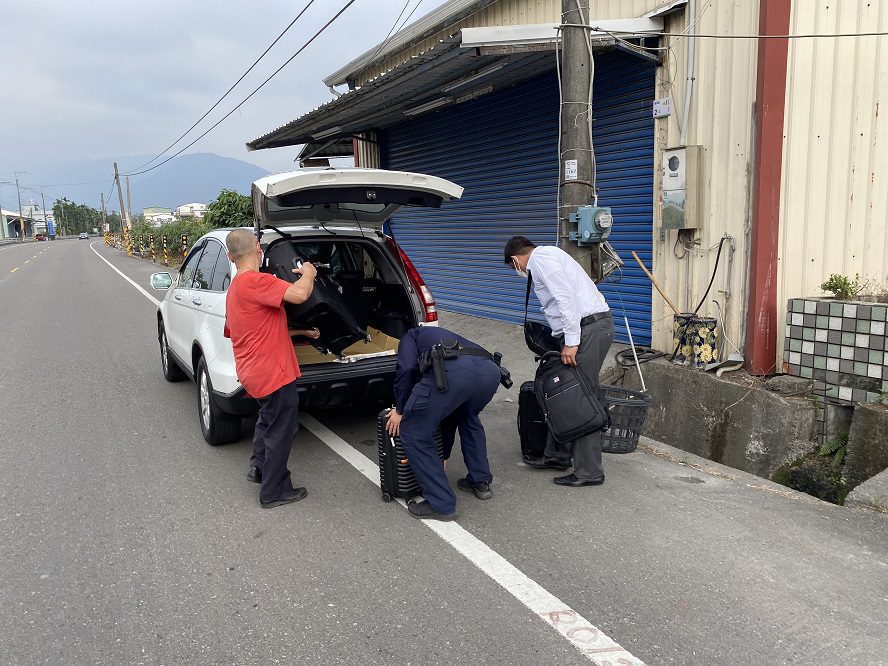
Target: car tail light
(425, 294)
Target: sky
(96, 79)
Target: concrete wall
(746, 427)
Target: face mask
(521, 274)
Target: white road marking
(116, 270)
(27, 260)
(14, 269)
(585, 636)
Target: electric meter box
(594, 224)
(682, 188)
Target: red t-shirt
(257, 325)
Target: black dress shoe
(544, 462)
(254, 475)
(573, 481)
(423, 510)
(295, 496)
(482, 490)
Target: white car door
(178, 316)
(203, 302)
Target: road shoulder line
(125, 277)
(586, 637)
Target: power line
(233, 86)
(392, 29)
(247, 98)
(654, 33)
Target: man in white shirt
(580, 318)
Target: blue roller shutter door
(502, 148)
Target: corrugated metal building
(496, 134)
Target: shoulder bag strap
(527, 295)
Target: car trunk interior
(370, 287)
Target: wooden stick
(654, 282)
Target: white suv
(333, 218)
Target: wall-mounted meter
(594, 224)
(682, 188)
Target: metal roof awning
(467, 65)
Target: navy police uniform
(472, 382)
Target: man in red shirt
(266, 362)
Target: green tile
(808, 334)
(833, 351)
(863, 326)
(849, 338)
(820, 362)
(795, 345)
(836, 309)
(822, 322)
(860, 368)
(872, 397)
(876, 357)
(807, 373)
(879, 312)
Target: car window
(222, 273)
(186, 273)
(203, 274)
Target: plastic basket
(627, 409)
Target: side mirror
(161, 281)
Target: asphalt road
(126, 539)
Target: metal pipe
(690, 65)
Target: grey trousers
(595, 341)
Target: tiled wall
(841, 345)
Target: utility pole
(21, 217)
(576, 161)
(104, 220)
(45, 223)
(124, 222)
(129, 205)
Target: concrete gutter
(871, 495)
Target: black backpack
(570, 405)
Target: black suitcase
(532, 429)
(395, 476)
(325, 309)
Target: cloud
(96, 79)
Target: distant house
(192, 210)
(157, 215)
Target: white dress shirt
(566, 293)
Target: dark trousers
(472, 382)
(595, 341)
(275, 431)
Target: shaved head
(241, 243)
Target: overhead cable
(657, 33)
(248, 97)
(233, 86)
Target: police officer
(420, 407)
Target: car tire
(171, 370)
(217, 426)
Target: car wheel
(217, 426)
(171, 370)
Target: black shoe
(254, 475)
(423, 510)
(482, 490)
(573, 481)
(295, 496)
(544, 462)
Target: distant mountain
(197, 177)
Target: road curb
(706, 466)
